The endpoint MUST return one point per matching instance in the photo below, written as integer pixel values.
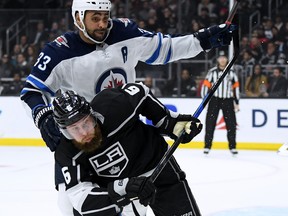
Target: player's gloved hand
(175, 123)
(123, 191)
(43, 119)
(215, 36)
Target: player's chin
(99, 36)
(87, 139)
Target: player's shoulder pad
(125, 29)
(124, 21)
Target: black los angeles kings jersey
(130, 148)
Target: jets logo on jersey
(111, 162)
(110, 79)
(61, 41)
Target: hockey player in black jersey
(108, 153)
(102, 54)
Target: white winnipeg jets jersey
(68, 63)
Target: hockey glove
(122, 192)
(175, 123)
(43, 119)
(215, 36)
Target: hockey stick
(164, 160)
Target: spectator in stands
(16, 51)
(195, 26)
(244, 46)
(223, 14)
(204, 17)
(170, 21)
(22, 66)
(222, 9)
(256, 47)
(244, 43)
(257, 83)
(278, 22)
(7, 69)
(143, 13)
(142, 24)
(32, 55)
(208, 5)
(160, 5)
(268, 25)
(284, 32)
(39, 35)
(272, 55)
(151, 24)
(247, 59)
(188, 87)
(55, 29)
(149, 82)
(14, 88)
(260, 34)
(24, 44)
(277, 85)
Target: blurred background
(26, 25)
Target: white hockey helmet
(84, 5)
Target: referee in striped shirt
(225, 98)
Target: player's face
(83, 130)
(86, 134)
(96, 23)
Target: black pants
(173, 196)
(227, 107)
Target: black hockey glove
(122, 192)
(215, 36)
(43, 119)
(175, 123)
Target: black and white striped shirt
(229, 87)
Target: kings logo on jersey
(111, 162)
(110, 79)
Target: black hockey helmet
(70, 108)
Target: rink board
(261, 123)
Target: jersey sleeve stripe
(168, 55)
(39, 84)
(157, 51)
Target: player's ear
(78, 19)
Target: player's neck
(85, 39)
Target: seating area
(263, 32)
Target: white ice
(255, 183)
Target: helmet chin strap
(83, 29)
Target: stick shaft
(232, 12)
(164, 160)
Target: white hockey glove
(175, 123)
(43, 119)
(123, 191)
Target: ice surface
(252, 184)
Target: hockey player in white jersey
(102, 54)
(108, 153)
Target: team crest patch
(111, 162)
(126, 21)
(111, 79)
(61, 40)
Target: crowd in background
(263, 55)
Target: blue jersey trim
(157, 51)
(40, 85)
